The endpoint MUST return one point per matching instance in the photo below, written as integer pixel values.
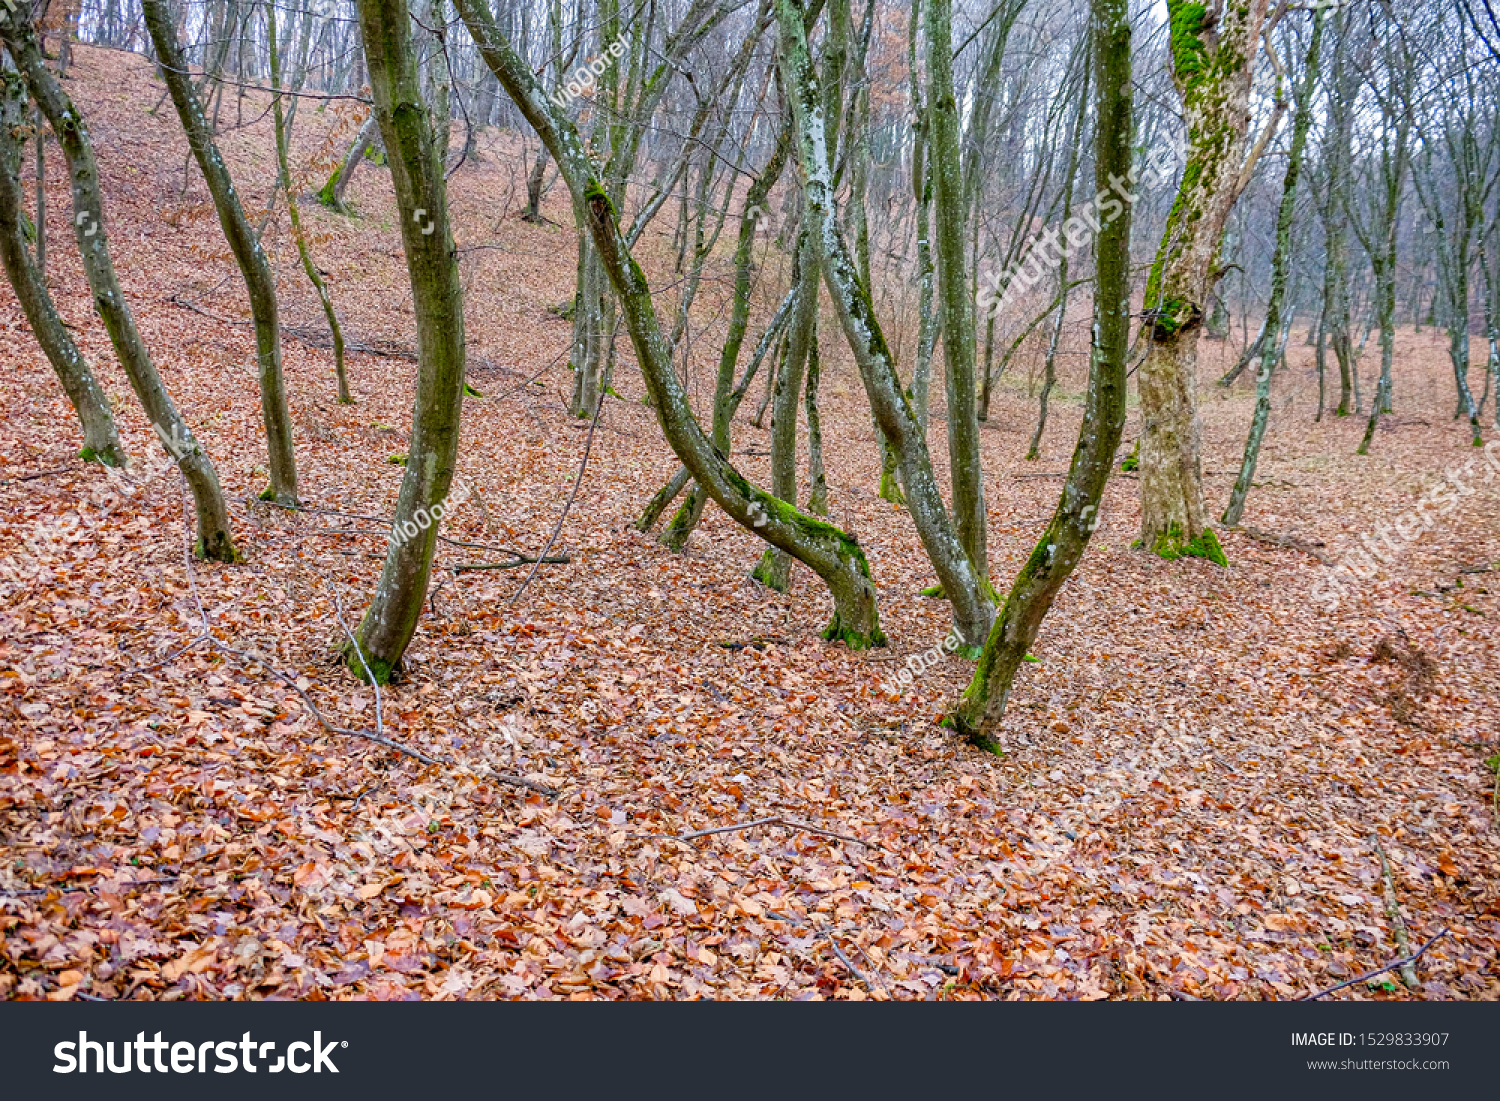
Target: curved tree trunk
(100, 440)
(253, 265)
(331, 194)
(982, 707)
(964, 587)
(415, 155)
(214, 540)
(829, 552)
(1212, 66)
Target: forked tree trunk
(253, 265)
(982, 708)
(67, 124)
(101, 443)
(829, 552)
(964, 587)
(415, 156)
(1212, 64)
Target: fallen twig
(1404, 963)
(776, 821)
(588, 445)
(521, 560)
(1393, 911)
(38, 474)
(847, 962)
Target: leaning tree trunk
(214, 540)
(245, 245)
(414, 152)
(1212, 66)
(331, 194)
(1280, 262)
(982, 707)
(964, 587)
(100, 440)
(829, 552)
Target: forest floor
(1204, 771)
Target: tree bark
(1212, 66)
(950, 217)
(1280, 262)
(253, 265)
(293, 206)
(415, 156)
(101, 442)
(214, 540)
(962, 585)
(981, 710)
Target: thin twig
(338, 607)
(522, 560)
(588, 444)
(1393, 911)
(776, 821)
(1404, 963)
(38, 474)
(847, 962)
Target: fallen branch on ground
(1404, 963)
(1393, 911)
(776, 821)
(520, 560)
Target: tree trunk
(414, 153)
(982, 708)
(1212, 66)
(331, 194)
(214, 540)
(1280, 262)
(963, 586)
(753, 218)
(832, 554)
(950, 217)
(101, 442)
(248, 254)
(774, 570)
(293, 207)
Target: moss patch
(1172, 546)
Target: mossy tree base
(1172, 546)
(383, 672)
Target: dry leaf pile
(1197, 767)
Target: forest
(749, 499)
